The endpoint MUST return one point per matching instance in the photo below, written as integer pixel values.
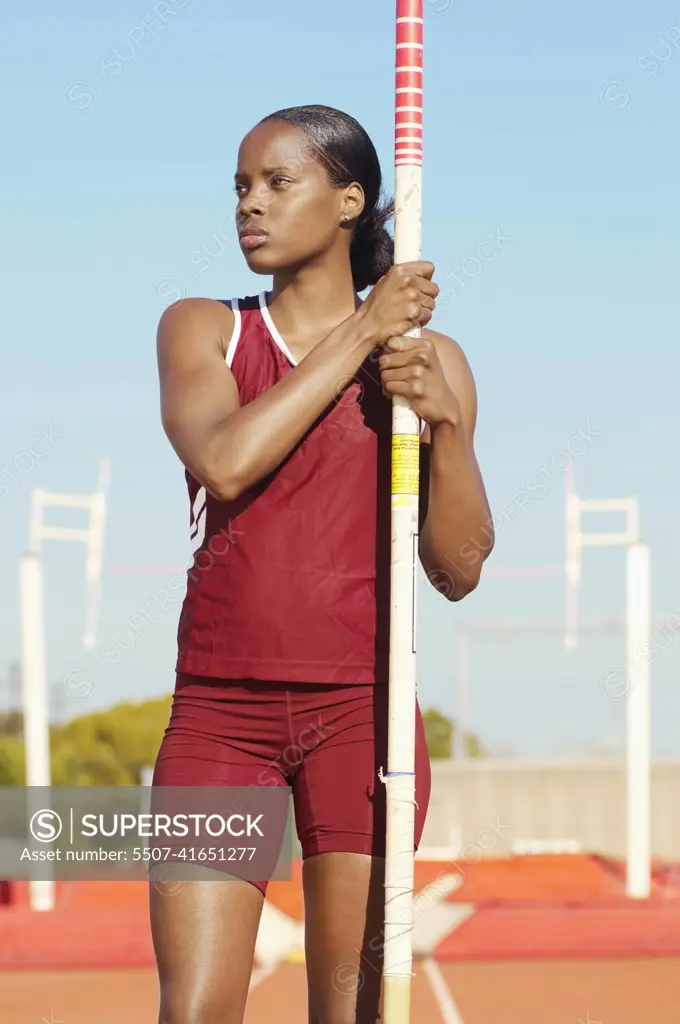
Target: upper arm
(197, 388)
(459, 377)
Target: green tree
(103, 748)
(11, 723)
(440, 733)
(12, 765)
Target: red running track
(556, 992)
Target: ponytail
(372, 250)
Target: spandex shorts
(327, 742)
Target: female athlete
(279, 408)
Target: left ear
(353, 203)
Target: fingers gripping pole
(400, 778)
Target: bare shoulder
(187, 313)
(447, 348)
(453, 359)
(458, 374)
(194, 322)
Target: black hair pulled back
(345, 149)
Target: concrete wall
(492, 805)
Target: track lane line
(442, 993)
(259, 974)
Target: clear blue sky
(119, 143)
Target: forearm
(254, 439)
(457, 534)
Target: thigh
(344, 914)
(205, 931)
(225, 733)
(204, 936)
(217, 766)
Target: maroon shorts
(327, 742)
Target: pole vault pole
(400, 778)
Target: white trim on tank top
(236, 333)
(267, 317)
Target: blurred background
(550, 212)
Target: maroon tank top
(290, 582)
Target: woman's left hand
(410, 367)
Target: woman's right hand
(402, 299)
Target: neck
(308, 304)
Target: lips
(252, 236)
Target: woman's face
(288, 213)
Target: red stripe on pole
(413, 79)
(409, 8)
(408, 136)
(410, 58)
(411, 33)
(410, 99)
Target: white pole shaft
(35, 709)
(400, 778)
(638, 776)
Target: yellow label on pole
(405, 463)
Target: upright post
(638, 630)
(35, 708)
(638, 817)
(33, 657)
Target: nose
(252, 205)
